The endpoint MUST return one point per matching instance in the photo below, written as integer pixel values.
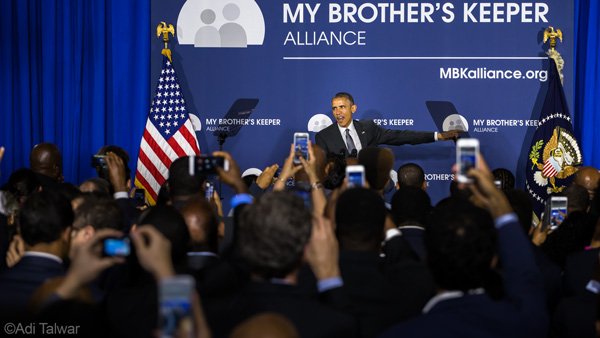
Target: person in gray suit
(349, 136)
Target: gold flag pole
(165, 30)
(549, 33)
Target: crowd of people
(315, 260)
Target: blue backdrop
(81, 75)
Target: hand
(88, 263)
(266, 177)
(116, 171)
(322, 252)
(288, 170)
(232, 177)
(484, 190)
(449, 135)
(217, 202)
(310, 167)
(540, 236)
(153, 251)
(1, 153)
(15, 251)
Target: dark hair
(170, 223)
(345, 96)
(337, 171)
(411, 175)
(181, 183)
(99, 211)
(378, 163)
(164, 195)
(249, 179)
(411, 205)
(273, 233)
(522, 205)
(460, 241)
(506, 178)
(208, 221)
(578, 197)
(122, 153)
(99, 185)
(22, 183)
(44, 217)
(360, 218)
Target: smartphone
(558, 204)
(300, 147)
(120, 247)
(140, 194)
(209, 187)
(467, 150)
(207, 165)
(175, 306)
(355, 175)
(99, 161)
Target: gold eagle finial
(165, 30)
(549, 33)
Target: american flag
(169, 134)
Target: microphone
(343, 153)
(353, 153)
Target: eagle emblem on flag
(560, 159)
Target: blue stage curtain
(74, 73)
(587, 79)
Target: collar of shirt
(202, 253)
(449, 295)
(353, 134)
(42, 254)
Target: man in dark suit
(274, 234)
(45, 227)
(382, 290)
(461, 243)
(347, 134)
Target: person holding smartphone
(349, 136)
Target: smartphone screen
(557, 205)
(355, 179)
(467, 160)
(116, 247)
(210, 189)
(175, 306)
(140, 194)
(301, 147)
(208, 165)
(99, 161)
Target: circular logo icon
(196, 122)
(455, 122)
(319, 122)
(220, 23)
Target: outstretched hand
(449, 135)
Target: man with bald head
(46, 161)
(587, 177)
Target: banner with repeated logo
(479, 66)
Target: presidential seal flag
(169, 134)
(554, 155)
